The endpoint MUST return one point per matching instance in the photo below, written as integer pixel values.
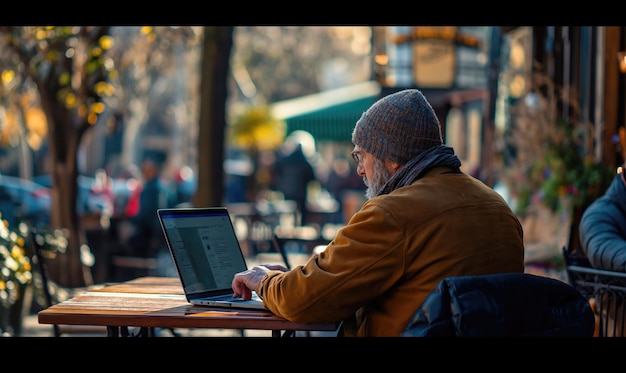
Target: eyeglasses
(356, 155)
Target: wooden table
(159, 302)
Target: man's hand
(275, 267)
(247, 281)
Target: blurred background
(533, 112)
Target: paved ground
(32, 328)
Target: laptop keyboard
(227, 297)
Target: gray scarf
(438, 156)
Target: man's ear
(392, 166)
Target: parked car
(91, 198)
(31, 201)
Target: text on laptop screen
(206, 249)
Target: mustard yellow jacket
(392, 253)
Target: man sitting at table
(424, 220)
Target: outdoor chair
(128, 267)
(605, 291)
(502, 305)
(55, 293)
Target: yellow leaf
(7, 76)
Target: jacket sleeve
(602, 230)
(349, 273)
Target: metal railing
(606, 291)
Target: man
(424, 220)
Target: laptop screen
(204, 248)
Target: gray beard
(380, 177)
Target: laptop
(207, 254)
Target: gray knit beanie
(398, 127)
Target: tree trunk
(66, 268)
(217, 47)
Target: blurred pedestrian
(146, 236)
(292, 174)
(346, 186)
(103, 188)
(238, 170)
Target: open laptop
(207, 255)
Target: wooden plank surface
(147, 285)
(159, 302)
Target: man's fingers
(247, 294)
(240, 289)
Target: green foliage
(563, 172)
(17, 273)
(15, 263)
(568, 171)
(553, 161)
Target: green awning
(332, 123)
(329, 115)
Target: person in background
(602, 227)
(146, 236)
(602, 233)
(103, 188)
(423, 220)
(292, 174)
(346, 186)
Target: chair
(605, 290)
(127, 267)
(127, 262)
(502, 305)
(304, 239)
(54, 293)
